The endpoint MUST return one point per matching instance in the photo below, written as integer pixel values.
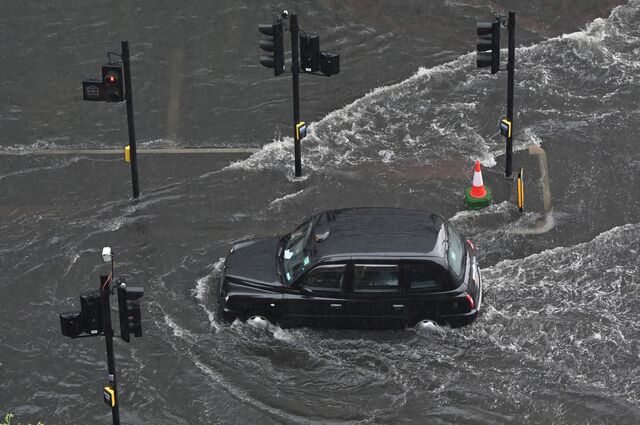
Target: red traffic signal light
(111, 80)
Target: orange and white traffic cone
(477, 196)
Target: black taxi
(355, 268)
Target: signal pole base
(474, 203)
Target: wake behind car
(355, 268)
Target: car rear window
(456, 251)
(426, 277)
(375, 278)
(326, 278)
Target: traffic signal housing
(309, 52)
(113, 82)
(87, 321)
(329, 64)
(488, 45)
(129, 311)
(274, 45)
(93, 90)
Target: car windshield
(295, 257)
(456, 251)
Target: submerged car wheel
(427, 324)
(258, 320)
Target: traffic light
(129, 310)
(310, 53)
(93, 90)
(275, 45)
(488, 45)
(113, 82)
(329, 64)
(88, 320)
(91, 312)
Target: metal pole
(105, 293)
(295, 70)
(130, 124)
(510, 81)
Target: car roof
(379, 232)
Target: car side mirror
(306, 292)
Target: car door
(426, 284)
(318, 299)
(375, 298)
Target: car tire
(258, 320)
(427, 324)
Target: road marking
(143, 151)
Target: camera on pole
(273, 45)
(488, 45)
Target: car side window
(326, 278)
(375, 278)
(425, 277)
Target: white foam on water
(491, 210)
(203, 289)
(337, 139)
(58, 164)
(573, 308)
(178, 330)
(286, 197)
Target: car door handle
(335, 306)
(398, 306)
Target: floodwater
(401, 125)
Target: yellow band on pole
(521, 190)
(127, 153)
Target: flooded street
(400, 126)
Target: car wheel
(427, 324)
(258, 320)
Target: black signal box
(310, 53)
(329, 63)
(91, 312)
(71, 324)
(113, 82)
(129, 309)
(93, 90)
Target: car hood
(254, 260)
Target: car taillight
(473, 248)
(472, 303)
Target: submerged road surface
(401, 125)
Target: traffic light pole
(510, 83)
(295, 71)
(130, 124)
(105, 292)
